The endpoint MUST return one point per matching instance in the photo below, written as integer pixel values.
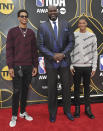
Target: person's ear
(78, 24)
(18, 18)
(58, 11)
(86, 23)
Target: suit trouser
(80, 72)
(20, 88)
(52, 89)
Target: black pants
(20, 88)
(85, 73)
(52, 89)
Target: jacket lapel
(59, 29)
(51, 29)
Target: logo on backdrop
(6, 6)
(5, 74)
(101, 62)
(38, 9)
(40, 3)
(41, 67)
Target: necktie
(55, 29)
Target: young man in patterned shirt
(84, 64)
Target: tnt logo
(5, 74)
(40, 3)
(41, 67)
(101, 62)
(6, 6)
(102, 3)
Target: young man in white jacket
(84, 64)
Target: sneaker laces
(14, 118)
(25, 114)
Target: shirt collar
(55, 21)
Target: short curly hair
(22, 10)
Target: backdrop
(70, 10)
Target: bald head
(52, 12)
(52, 7)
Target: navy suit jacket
(46, 40)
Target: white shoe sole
(12, 124)
(26, 118)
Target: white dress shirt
(52, 24)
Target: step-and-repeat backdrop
(70, 10)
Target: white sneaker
(13, 121)
(26, 116)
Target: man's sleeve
(95, 53)
(72, 57)
(34, 51)
(41, 44)
(9, 49)
(71, 42)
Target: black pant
(20, 88)
(85, 73)
(52, 89)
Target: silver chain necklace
(23, 32)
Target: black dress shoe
(77, 112)
(89, 113)
(52, 118)
(69, 116)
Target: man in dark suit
(55, 41)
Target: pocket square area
(65, 29)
